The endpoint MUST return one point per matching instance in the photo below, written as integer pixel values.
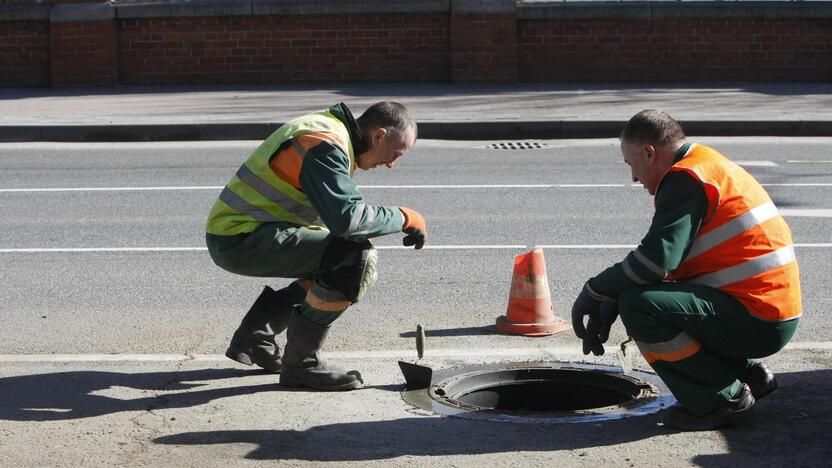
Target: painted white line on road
(104, 249)
(381, 354)
(219, 187)
(806, 212)
(801, 161)
(108, 189)
(380, 247)
(756, 163)
(808, 184)
(391, 187)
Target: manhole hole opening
(541, 390)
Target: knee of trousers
(351, 267)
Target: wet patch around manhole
(541, 393)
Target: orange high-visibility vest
(744, 247)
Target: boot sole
(244, 358)
(339, 388)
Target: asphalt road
(115, 318)
(482, 205)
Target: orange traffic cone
(529, 311)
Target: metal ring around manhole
(542, 392)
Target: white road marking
(219, 187)
(380, 247)
(801, 161)
(408, 354)
(371, 187)
(807, 212)
(756, 163)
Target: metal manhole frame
(425, 401)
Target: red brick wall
(484, 47)
(732, 49)
(83, 53)
(24, 53)
(271, 49)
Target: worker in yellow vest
(713, 285)
(292, 210)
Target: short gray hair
(391, 115)
(652, 126)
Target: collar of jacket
(343, 114)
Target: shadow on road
(468, 331)
(418, 436)
(791, 429)
(73, 395)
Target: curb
(558, 129)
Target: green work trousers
(729, 336)
(282, 250)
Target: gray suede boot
(253, 342)
(302, 367)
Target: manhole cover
(539, 392)
(517, 145)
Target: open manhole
(517, 145)
(541, 393)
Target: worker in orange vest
(713, 285)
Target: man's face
(386, 148)
(643, 162)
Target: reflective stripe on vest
(256, 194)
(270, 193)
(744, 246)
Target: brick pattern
(83, 53)
(272, 49)
(690, 50)
(484, 47)
(24, 53)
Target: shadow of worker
(72, 395)
(419, 436)
(791, 426)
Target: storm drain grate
(517, 145)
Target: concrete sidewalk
(206, 411)
(444, 111)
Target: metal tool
(626, 355)
(417, 377)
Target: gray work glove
(602, 312)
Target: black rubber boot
(302, 367)
(737, 409)
(253, 342)
(760, 380)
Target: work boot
(737, 409)
(760, 380)
(253, 342)
(303, 367)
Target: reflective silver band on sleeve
(628, 270)
(649, 264)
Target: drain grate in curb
(517, 145)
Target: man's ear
(651, 152)
(379, 134)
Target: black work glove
(602, 313)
